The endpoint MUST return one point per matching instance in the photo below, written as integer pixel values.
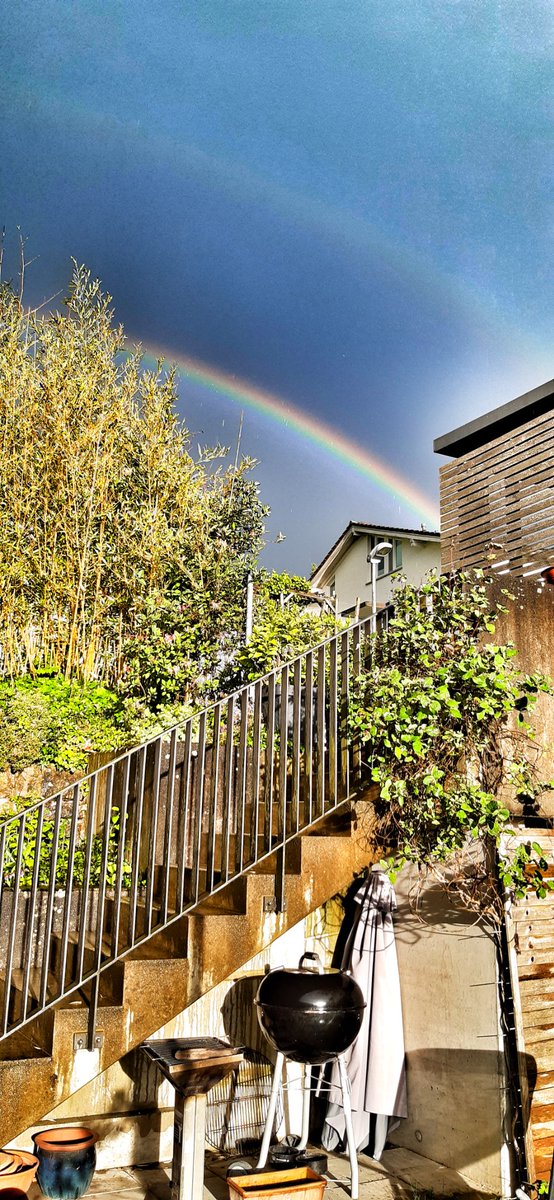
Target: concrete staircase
(44, 1062)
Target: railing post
(153, 815)
(333, 725)
(30, 940)
(280, 903)
(256, 769)
(168, 831)
(308, 738)
(296, 717)
(13, 924)
(241, 780)
(227, 814)
(356, 670)
(184, 821)
(50, 903)
(200, 764)
(214, 798)
(344, 790)
(269, 761)
(280, 873)
(321, 733)
(283, 755)
(120, 855)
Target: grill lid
(310, 989)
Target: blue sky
(345, 203)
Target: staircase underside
(40, 1066)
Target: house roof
(496, 422)
(356, 529)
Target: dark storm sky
(346, 203)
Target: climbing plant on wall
(443, 717)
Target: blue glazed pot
(66, 1161)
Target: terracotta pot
(66, 1161)
(17, 1171)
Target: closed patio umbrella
(375, 1063)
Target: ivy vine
(442, 715)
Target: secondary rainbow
(319, 433)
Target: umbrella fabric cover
(375, 1062)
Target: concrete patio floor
(401, 1175)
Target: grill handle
(315, 963)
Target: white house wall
(353, 571)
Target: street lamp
(378, 551)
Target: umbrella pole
(349, 1128)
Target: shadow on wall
(463, 1085)
(239, 1015)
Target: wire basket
(237, 1106)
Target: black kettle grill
(308, 1014)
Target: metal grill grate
(237, 1107)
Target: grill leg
(306, 1092)
(187, 1174)
(268, 1130)
(345, 1089)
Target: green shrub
(53, 721)
(24, 727)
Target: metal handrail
(99, 868)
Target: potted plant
(67, 1158)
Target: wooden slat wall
(533, 929)
(501, 493)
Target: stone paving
(400, 1175)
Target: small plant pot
(66, 1161)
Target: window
(392, 560)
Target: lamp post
(249, 607)
(378, 551)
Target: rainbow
(318, 432)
